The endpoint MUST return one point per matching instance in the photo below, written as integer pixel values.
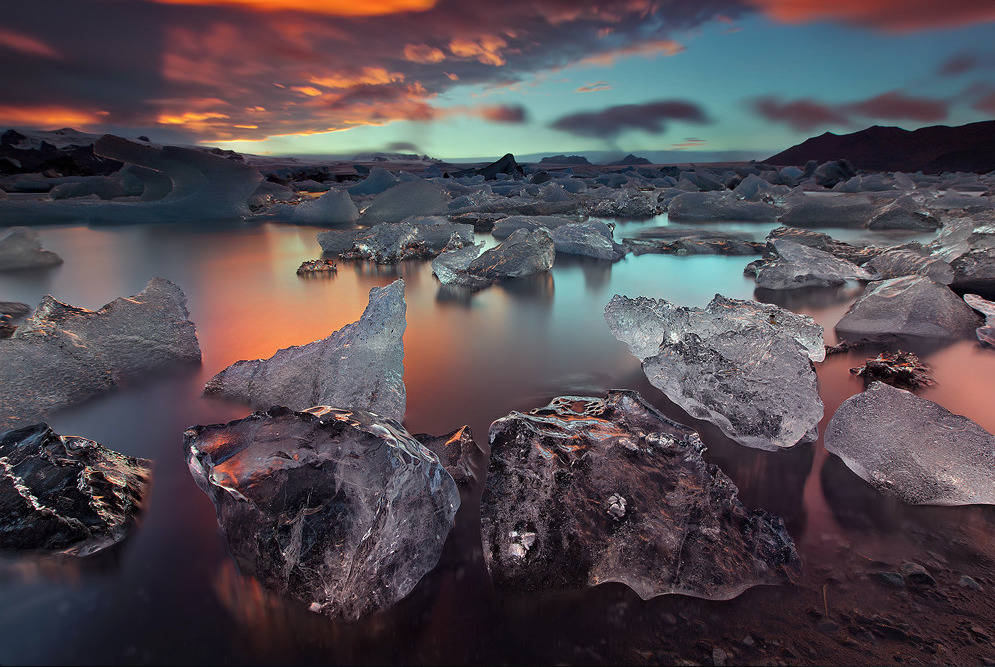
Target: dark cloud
(888, 15)
(402, 147)
(805, 115)
(216, 69)
(986, 104)
(966, 62)
(650, 117)
(896, 106)
(503, 113)
(959, 64)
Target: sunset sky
(474, 78)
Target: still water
(170, 594)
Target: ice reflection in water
(170, 593)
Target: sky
(463, 79)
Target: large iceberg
(591, 490)
(335, 207)
(405, 200)
(913, 448)
(587, 239)
(63, 355)
(391, 242)
(66, 494)
(742, 365)
(179, 184)
(341, 509)
(796, 266)
(359, 366)
(912, 306)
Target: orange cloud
(889, 15)
(667, 47)
(189, 118)
(368, 76)
(331, 7)
(486, 49)
(310, 91)
(45, 117)
(423, 53)
(27, 45)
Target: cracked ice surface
(742, 365)
(343, 510)
(589, 490)
(361, 365)
(913, 448)
(66, 494)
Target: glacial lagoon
(171, 594)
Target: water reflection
(809, 297)
(536, 289)
(171, 594)
(597, 272)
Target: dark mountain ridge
(932, 149)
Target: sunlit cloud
(373, 63)
(368, 76)
(27, 45)
(310, 91)
(189, 117)
(485, 49)
(649, 49)
(49, 117)
(889, 15)
(423, 53)
(651, 117)
(332, 7)
(595, 87)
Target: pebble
(827, 626)
(969, 582)
(890, 578)
(916, 574)
(719, 657)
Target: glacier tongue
(742, 365)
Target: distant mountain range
(933, 149)
(930, 149)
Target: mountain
(933, 149)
